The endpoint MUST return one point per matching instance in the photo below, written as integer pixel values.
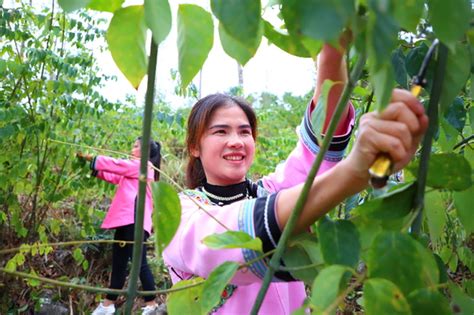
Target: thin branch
(369, 102)
(106, 290)
(418, 201)
(94, 289)
(285, 268)
(288, 230)
(69, 243)
(181, 188)
(142, 185)
(464, 141)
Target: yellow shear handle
(383, 165)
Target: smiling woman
(223, 152)
(221, 145)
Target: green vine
(275, 261)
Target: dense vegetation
(51, 107)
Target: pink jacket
(123, 173)
(187, 256)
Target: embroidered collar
(224, 195)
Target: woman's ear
(195, 152)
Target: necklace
(230, 198)
(224, 195)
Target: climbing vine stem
(142, 187)
(275, 261)
(433, 109)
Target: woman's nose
(235, 140)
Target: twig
(181, 188)
(464, 141)
(142, 186)
(418, 201)
(288, 230)
(70, 243)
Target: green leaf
(467, 257)
(461, 304)
(398, 63)
(457, 72)
(71, 5)
(384, 297)
(448, 136)
(339, 242)
(450, 19)
(435, 214)
(383, 81)
(215, 284)
(304, 250)
(449, 257)
(443, 274)
(449, 171)
(233, 239)
(321, 20)
(33, 282)
(393, 205)
(158, 18)
(464, 201)
(368, 230)
(186, 301)
(388, 257)
(382, 33)
(300, 311)
(241, 21)
(330, 282)
(414, 61)
(287, 43)
(166, 214)
(456, 114)
(105, 5)
(471, 109)
(126, 39)
(77, 255)
(234, 48)
(318, 117)
(428, 301)
(408, 13)
(313, 46)
(195, 39)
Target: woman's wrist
(359, 178)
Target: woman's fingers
(401, 112)
(378, 136)
(394, 129)
(405, 96)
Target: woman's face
(136, 149)
(226, 148)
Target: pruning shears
(383, 165)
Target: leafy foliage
(49, 96)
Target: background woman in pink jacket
(121, 217)
(221, 145)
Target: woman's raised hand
(396, 131)
(85, 156)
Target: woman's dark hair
(155, 155)
(198, 121)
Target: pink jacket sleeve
(107, 176)
(295, 169)
(120, 167)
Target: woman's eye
(219, 132)
(246, 132)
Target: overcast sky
(271, 69)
